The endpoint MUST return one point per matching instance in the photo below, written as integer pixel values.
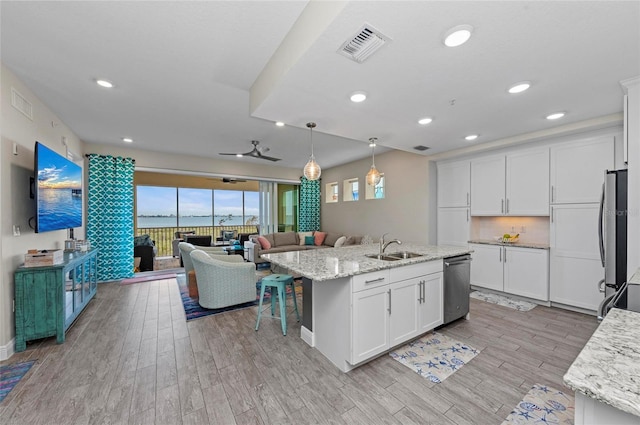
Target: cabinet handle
(467, 214)
(467, 198)
(553, 195)
(505, 254)
(423, 290)
(374, 280)
(389, 309)
(507, 205)
(500, 252)
(552, 214)
(502, 206)
(420, 295)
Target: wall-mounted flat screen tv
(58, 191)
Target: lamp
(373, 176)
(312, 170)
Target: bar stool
(280, 283)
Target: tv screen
(58, 191)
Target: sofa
(145, 249)
(295, 241)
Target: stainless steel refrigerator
(613, 231)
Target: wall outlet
(16, 230)
(513, 229)
(523, 229)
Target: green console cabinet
(48, 299)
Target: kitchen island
(356, 307)
(605, 373)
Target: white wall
(632, 88)
(408, 210)
(15, 204)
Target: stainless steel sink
(404, 255)
(384, 257)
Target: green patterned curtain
(309, 217)
(110, 215)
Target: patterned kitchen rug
(513, 303)
(11, 374)
(543, 404)
(434, 356)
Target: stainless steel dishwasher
(457, 276)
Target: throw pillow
(331, 238)
(302, 236)
(319, 237)
(264, 243)
(309, 240)
(341, 240)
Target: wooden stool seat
(280, 283)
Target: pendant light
(312, 170)
(373, 176)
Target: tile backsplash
(531, 229)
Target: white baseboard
(8, 350)
(307, 336)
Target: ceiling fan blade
(268, 158)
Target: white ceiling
(184, 71)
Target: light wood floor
(132, 358)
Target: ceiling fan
(255, 152)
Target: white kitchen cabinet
(526, 272)
(431, 309)
(577, 170)
(486, 268)
(516, 184)
(370, 323)
(510, 269)
(453, 226)
(394, 308)
(487, 186)
(575, 265)
(527, 191)
(454, 184)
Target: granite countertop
(608, 367)
(332, 263)
(515, 244)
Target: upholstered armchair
(186, 249)
(223, 280)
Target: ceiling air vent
(19, 102)
(421, 148)
(362, 45)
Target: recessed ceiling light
(555, 116)
(519, 87)
(358, 96)
(425, 121)
(457, 35)
(280, 124)
(471, 137)
(127, 139)
(104, 83)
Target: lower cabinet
(575, 257)
(402, 305)
(515, 270)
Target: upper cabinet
(454, 184)
(577, 170)
(514, 184)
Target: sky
(153, 200)
(57, 172)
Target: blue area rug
(11, 374)
(194, 310)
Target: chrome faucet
(384, 245)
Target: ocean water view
(58, 209)
(147, 222)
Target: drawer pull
(380, 279)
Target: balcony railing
(163, 236)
